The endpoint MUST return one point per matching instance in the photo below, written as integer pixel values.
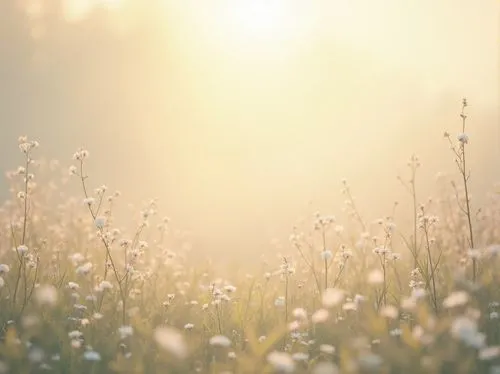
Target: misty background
(239, 132)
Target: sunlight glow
(257, 18)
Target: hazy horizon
(241, 118)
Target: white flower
(349, 306)
(280, 301)
(104, 285)
(4, 269)
(300, 313)
(300, 356)
(188, 326)
(89, 201)
(327, 349)
(230, 288)
(91, 355)
(72, 170)
(281, 362)
(84, 269)
(75, 334)
(332, 297)
(81, 154)
(457, 298)
(465, 329)
(46, 295)
(463, 138)
(294, 325)
(231, 355)
(320, 316)
(220, 340)
(171, 341)
(326, 255)
(76, 344)
(22, 249)
(100, 222)
(125, 331)
(389, 311)
(325, 367)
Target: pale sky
(236, 114)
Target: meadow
(80, 294)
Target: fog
(242, 118)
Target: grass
(78, 295)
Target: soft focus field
(82, 293)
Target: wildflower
(104, 285)
(465, 329)
(455, 299)
(463, 138)
(230, 288)
(300, 356)
(300, 313)
(89, 201)
(22, 249)
(80, 154)
(389, 311)
(84, 269)
(220, 340)
(327, 349)
(76, 344)
(171, 341)
(188, 326)
(395, 256)
(4, 269)
(97, 316)
(73, 285)
(494, 315)
(231, 355)
(320, 316)
(262, 338)
(91, 355)
(281, 362)
(100, 222)
(294, 325)
(350, 306)
(325, 367)
(125, 331)
(46, 295)
(280, 301)
(75, 334)
(332, 297)
(326, 255)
